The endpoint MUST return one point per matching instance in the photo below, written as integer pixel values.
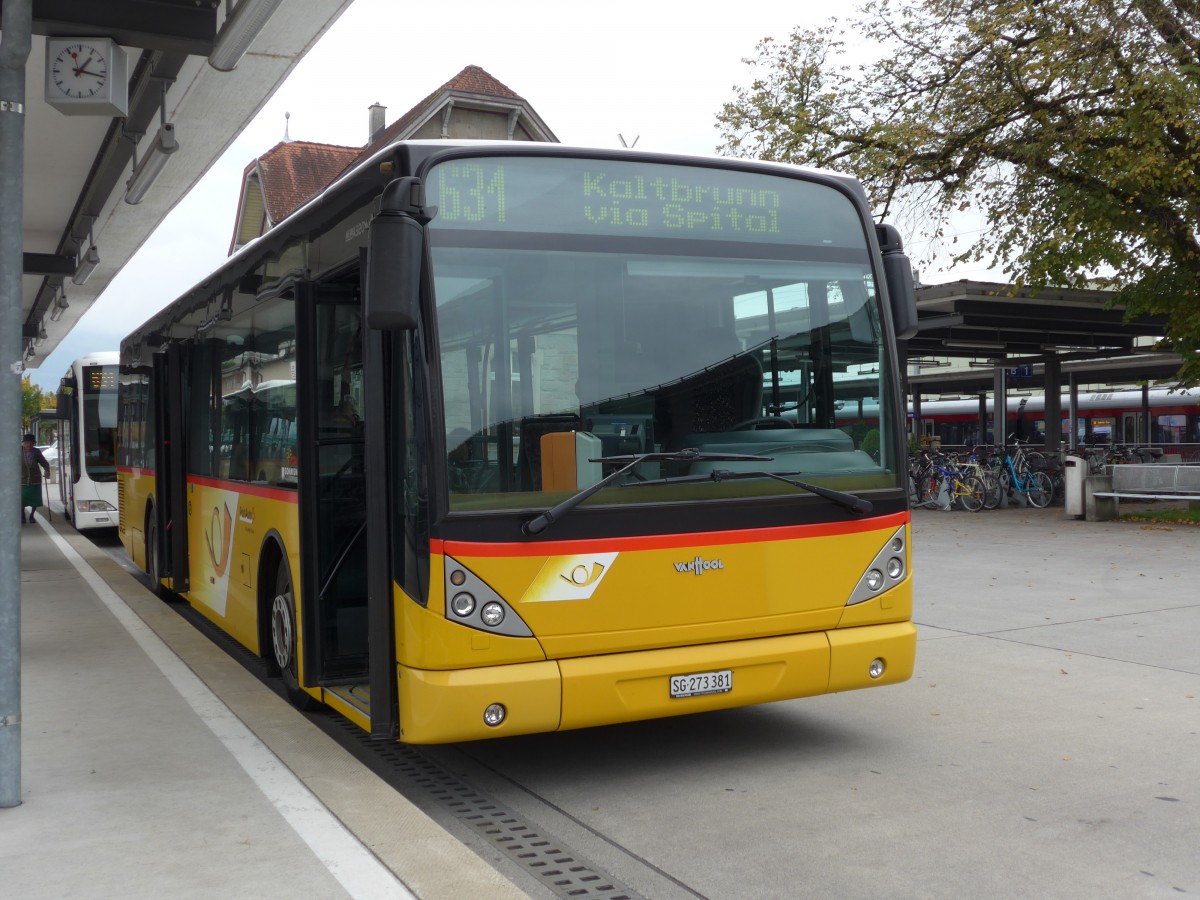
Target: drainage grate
(551, 863)
(555, 866)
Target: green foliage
(870, 443)
(1164, 516)
(33, 401)
(1071, 126)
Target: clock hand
(82, 68)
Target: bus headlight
(494, 714)
(875, 669)
(888, 569)
(463, 605)
(492, 614)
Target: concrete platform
(154, 765)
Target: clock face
(80, 71)
(87, 76)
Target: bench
(1133, 481)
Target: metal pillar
(1144, 437)
(1073, 440)
(982, 439)
(1052, 381)
(999, 408)
(16, 21)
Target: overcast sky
(658, 72)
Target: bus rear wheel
(283, 638)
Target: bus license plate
(702, 683)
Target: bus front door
(332, 483)
(166, 541)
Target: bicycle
(966, 490)
(1034, 484)
(980, 464)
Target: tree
(33, 401)
(1071, 126)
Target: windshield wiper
(852, 502)
(542, 521)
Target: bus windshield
(600, 308)
(100, 422)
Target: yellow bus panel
(630, 686)
(448, 706)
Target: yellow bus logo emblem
(581, 578)
(219, 529)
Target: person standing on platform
(33, 468)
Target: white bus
(87, 464)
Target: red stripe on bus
(668, 541)
(240, 487)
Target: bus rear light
(875, 669)
(494, 714)
(463, 605)
(94, 506)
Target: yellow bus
(497, 438)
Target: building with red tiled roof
(472, 105)
(281, 180)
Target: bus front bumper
(557, 695)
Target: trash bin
(1073, 474)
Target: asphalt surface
(1048, 744)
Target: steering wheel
(773, 421)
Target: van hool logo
(699, 566)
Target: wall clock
(86, 76)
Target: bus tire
(283, 638)
(154, 556)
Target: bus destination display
(588, 196)
(98, 379)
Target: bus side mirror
(395, 249)
(897, 272)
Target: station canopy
(990, 324)
(205, 67)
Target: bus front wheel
(154, 567)
(283, 638)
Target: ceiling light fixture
(87, 265)
(147, 171)
(982, 345)
(242, 25)
(60, 305)
(87, 261)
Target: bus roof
(355, 187)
